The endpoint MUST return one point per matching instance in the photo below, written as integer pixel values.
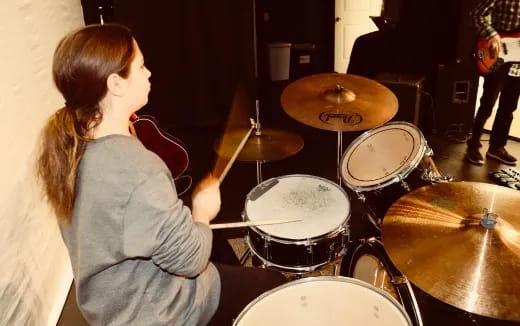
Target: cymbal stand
(338, 156)
(258, 133)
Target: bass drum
(367, 261)
(324, 300)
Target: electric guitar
(170, 149)
(509, 52)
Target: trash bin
(279, 60)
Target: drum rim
(345, 279)
(300, 241)
(403, 173)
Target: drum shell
(400, 288)
(298, 255)
(378, 201)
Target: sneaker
(474, 157)
(502, 155)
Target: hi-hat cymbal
(269, 145)
(436, 238)
(339, 102)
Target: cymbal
(269, 145)
(435, 236)
(339, 102)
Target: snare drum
(385, 163)
(317, 240)
(325, 300)
(367, 261)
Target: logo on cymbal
(347, 118)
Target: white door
(352, 20)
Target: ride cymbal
(339, 102)
(269, 145)
(460, 243)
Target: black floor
(318, 158)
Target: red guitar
(170, 149)
(509, 52)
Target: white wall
(35, 272)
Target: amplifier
(407, 88)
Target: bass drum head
(325, 300)
(375, 158)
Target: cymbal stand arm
(259, 172)
(338, 156)
(258, 132)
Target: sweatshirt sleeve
(482, 20)
(157, 225)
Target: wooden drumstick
(250, 223)
(235, 154)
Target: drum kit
(459, 242)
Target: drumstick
(235, 154)
(250, 223)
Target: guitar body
(509, 52)
(166, 146)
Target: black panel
(455, 98)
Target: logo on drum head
(322, 188)
(347, 118)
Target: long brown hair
(83, 61)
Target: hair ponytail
(83, 61)
(61, 151)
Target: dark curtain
(198, 52)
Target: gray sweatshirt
(137, 256)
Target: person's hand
(206, 200)
(494, 46)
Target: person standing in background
(492, 17)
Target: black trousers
(508, 87)
(239, 285)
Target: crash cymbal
(339, 102)
(269, 145)
(440, 238)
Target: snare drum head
(321, 205)
(324, 301)
(381, 154)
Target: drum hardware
(469, 233)
(405, 185)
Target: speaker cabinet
(455, 97)
(407, 88)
